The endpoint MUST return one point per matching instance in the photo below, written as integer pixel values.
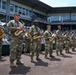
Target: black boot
(37, 58)
(57, 53)
(61, 53)
(52, 56)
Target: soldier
(36, 43)
(27, 42)
(1, 27)
(16, 41)
(59, 41)
(67, 42)
(73, 42)
(1, 39)
(48, 44)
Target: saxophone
(53, 36)
(28, 35)
(18, 32)
(35, 37)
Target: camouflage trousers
(27, 46)
(15, 49)
(59, 47)
(67, 46)
(48, 48)
(73, 45)
(35, 48)
(0, 47)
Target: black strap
(37, 29)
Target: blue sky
(60, 3)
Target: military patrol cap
(35, 21)
(16, 14)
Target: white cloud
(60, 3)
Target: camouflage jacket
(73, 38)
(35, 30)
(47, 35)
(13, 26)
(59, 36)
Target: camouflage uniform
(27, 46)
(48, 44)
(73, 42)
(15, 46)
(35, 44)
(59, 43)
(67, 42)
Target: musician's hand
(38, 34)
(20, 28)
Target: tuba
(2, 33)
(18, 32)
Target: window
(23, 11)
(20, 10)
(30, 12)
(12, 7)
(3, 5)
(54, 18)
(66, 17)
(73, 17)
(27, 12)
(16, 8)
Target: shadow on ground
(54, 59)
(41, 63)
(21, 69)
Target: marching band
(33, 40)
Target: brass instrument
(53, 36)
(28, 35)
(67, 42)
(18, 32)
(35, 37)
(2, 33)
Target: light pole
(7, 11)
